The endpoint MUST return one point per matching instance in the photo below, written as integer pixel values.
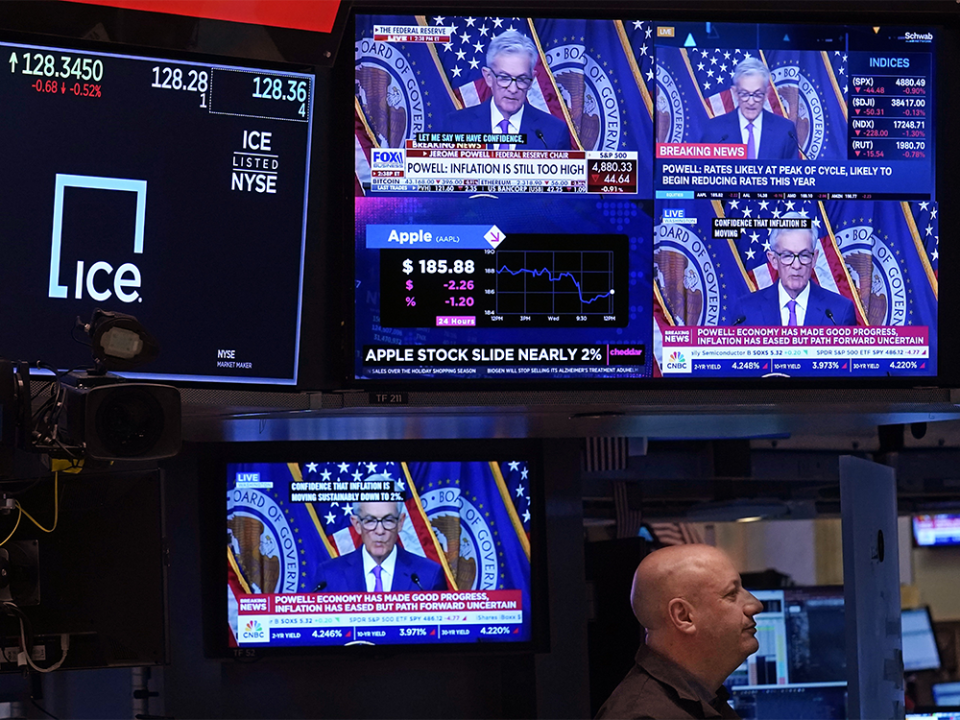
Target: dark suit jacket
(345, 573)
(476, 119)
(778, 141)
(763, 307)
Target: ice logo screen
(126, 279)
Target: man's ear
(680, 613)
(355, 521)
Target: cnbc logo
(677, 362)
(253, 632)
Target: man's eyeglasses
(504, 80)
(788, 258)
(370, 523)
(757, 96)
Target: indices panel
(172, 190)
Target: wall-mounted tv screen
(167, 188)
(397, 548)
(627, 197)
(920, 651)
(930, 530)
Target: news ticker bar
(698, 195)
(390, 635)
(835, 367)
(465, 167)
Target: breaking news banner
(865, 274)
(458, 533)
(842, 123)
(422, 107)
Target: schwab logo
(387, 159)
(126, 280)
(253, 630)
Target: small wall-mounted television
(920, 651)
(386, 545)
(936, 530)
(172, 187)
(622, 230)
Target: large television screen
(403, 546)
(629, 197)
(172, 188)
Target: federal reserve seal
(589, 95)
(262, 541)
(876, 273)
(686, 276)
(388, 93)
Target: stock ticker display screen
(543, 198)
(172, 190)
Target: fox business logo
(677, 362)
(387, 159)
(253, 632)
(126, 278)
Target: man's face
(726, 616)
(793, 277)
(752, 84)
(510, 98)
(379, 541)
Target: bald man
(700, 627)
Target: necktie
(792, 307)
(378, 583)
(504, 126)
(751, 145)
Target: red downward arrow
(857, 153)
(857, 132)
(857, 88)
(857, 111)
(595, 178)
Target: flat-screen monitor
(169, 187)
(920, 651)
(580, 198)
(386, 545)
(827, 702)
(798, 631)
(946, 694)
(932, 530)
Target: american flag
(928, 225)
(838, 62)
(640, 33)
(465, 56)
(753, 244)
(713, 70)
(334, 517)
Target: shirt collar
(688, 687)
(802, 299)
(389, 564)
(496, 116)
(757, 123)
